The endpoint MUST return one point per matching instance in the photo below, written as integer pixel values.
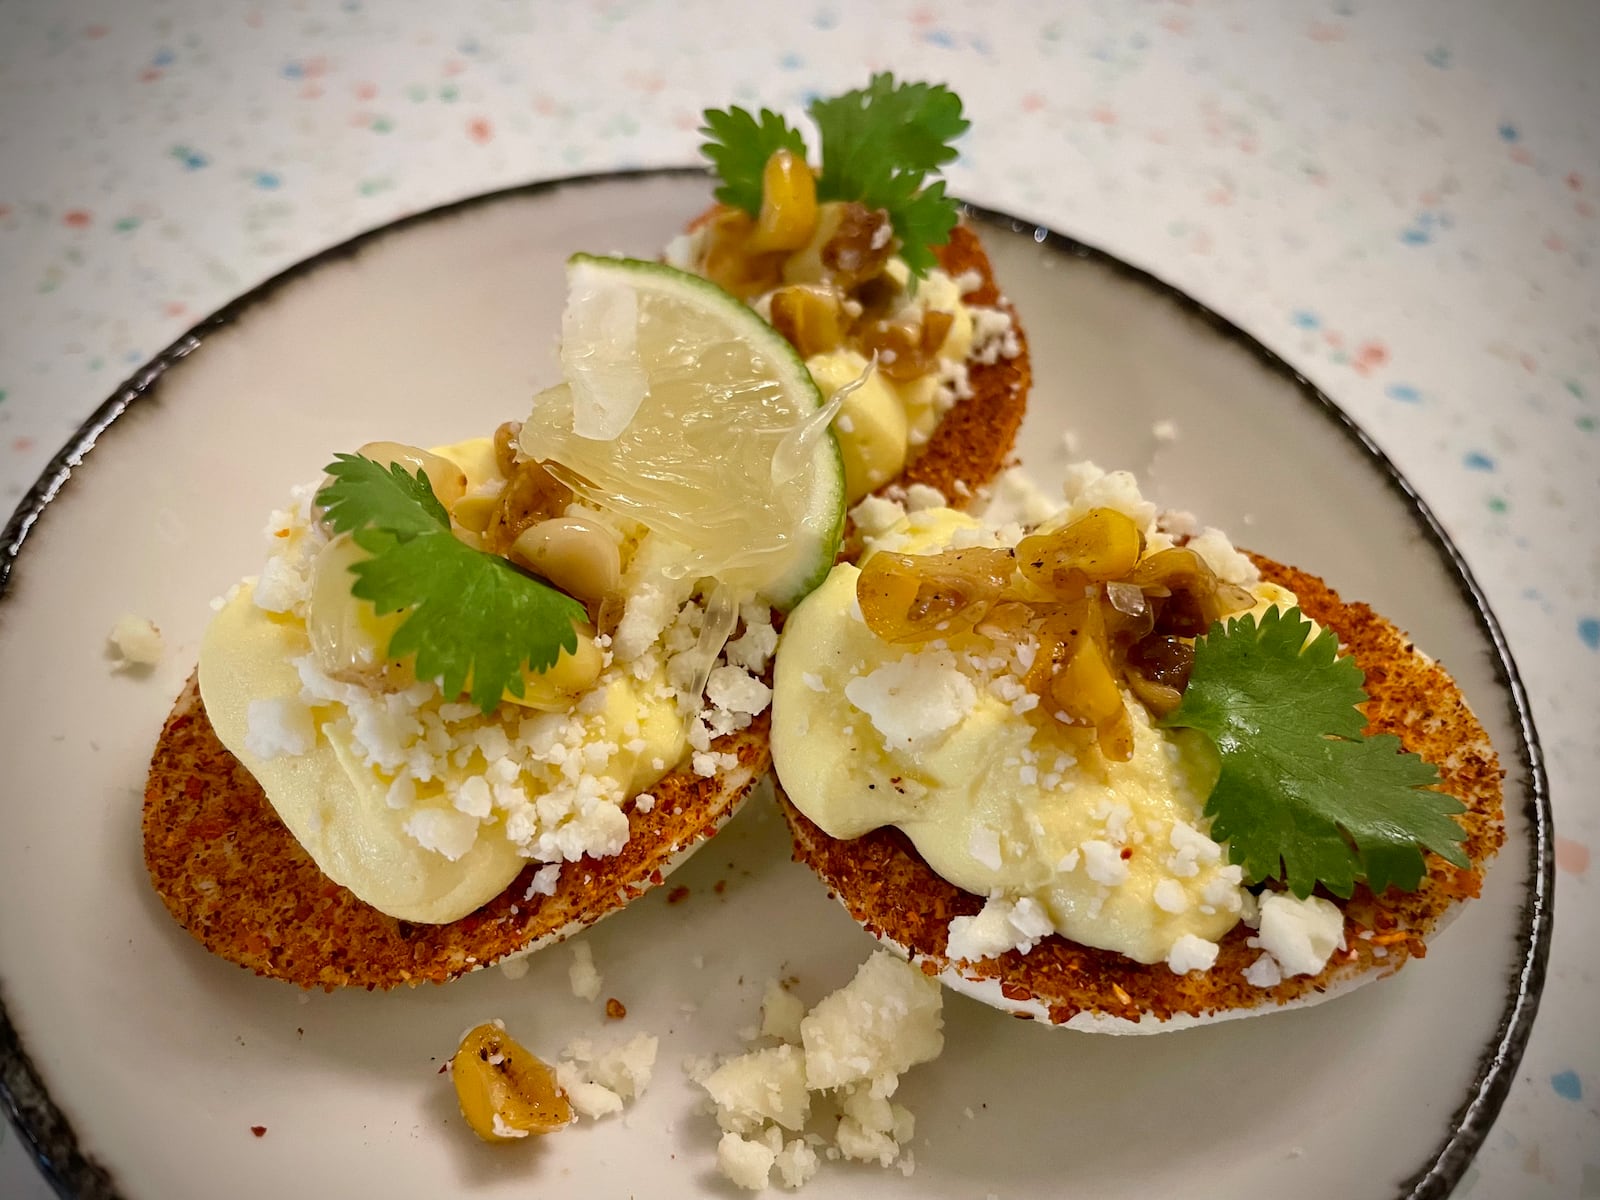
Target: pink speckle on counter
(1572, 856)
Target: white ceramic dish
(135, 1064)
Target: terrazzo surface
(1399, 199)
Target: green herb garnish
(471, 617)
(879, 145)
(1304, 796)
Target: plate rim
(48, 1134)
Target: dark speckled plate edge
(74, 1176)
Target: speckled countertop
(1401, 199)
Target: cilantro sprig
(471, 617)
(1304, 796)
(879, 145)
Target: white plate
(137, 1064)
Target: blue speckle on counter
(1567, 1085)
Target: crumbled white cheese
(994, 335)
(514, 966)
(278, 725)
(1263, 973)
(745, 1163)
(588, 1099)
(283, 585)
(1089, 486)
(1192, 850)
(781, 1013)
(1300, 934)
(754, 648)
(871, 1129)
(136, 641)
(1015, 498)
(1169, 896)
(734, 689)
(885, 1021)
(544, 881)
(1191, 953)
(917, 696)
(444, 831)
(876, 515)
(999, 926)
(1213, 546)
(761, 1086)
(581, 973)
(473, 798)
(854, 1045)
(626, 1069)
(921, 498)
(797, 1163)
(599, 1085)
(1103, 862)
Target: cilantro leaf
(921, 223)
(366, 493)
(739, 145)
(1303, 796)
(472, 619)
(879, 143)
(874, 134)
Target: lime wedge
(687, 412)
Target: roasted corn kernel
(504, 1090)
(788, 204)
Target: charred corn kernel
(1084, 687)
(1102, 544)
(557, 689)
(577, 556)
(472, 513)
(476, 456)
(348, 636)
(805, 264)
(731, 262)
(449, 482)
(810, 316)
(871, 426)
(788, 204)
(504, 1090)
